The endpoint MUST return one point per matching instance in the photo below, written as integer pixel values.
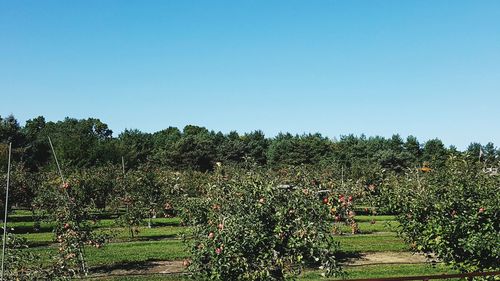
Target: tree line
(84, 143)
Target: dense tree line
(83, 143)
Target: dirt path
(145, 268)
(172, 267)
(386, 258)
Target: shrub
(452, 212)
(248, 227)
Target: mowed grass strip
(118, 253)
(369, 227)
(371, 243)
(162, 241)
(383, 271)
(365, 218)
(141, 251)
(29, 226)
(372, 271)
(119, 234)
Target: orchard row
(254, 223)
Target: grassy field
(371, 271)
(163, 242)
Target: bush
(23, 265)
(248, 227)
(67, 205)
(452, 212)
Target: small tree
(452, 212)
(67, 206)
(23, 265)
(247, 227)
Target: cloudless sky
(426, 68)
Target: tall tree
(435, 153)
(136, 146)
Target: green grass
(379, 271)
(365, 218)
(368, 227)
(28, 226)
(120, 234)
(117, 253)
(382, 271)
(161, 243)
(372, 243)
(155, 277)
(141, 251)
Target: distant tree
(195, 149)
(490, 153)
(78, 142)
(435, 153)
(256, 146)
(231, 148)
(37, 150)
(286, 149)
(136, 146)
(10, 131)
(474, 150)
(412, 146)
(394, 157)
(164, 143)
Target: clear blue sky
(426, 68)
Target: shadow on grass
(35, 244)
(341, 257)
(161, 224)
(344, 257)
(147, 238)
(30, 229)
(135, 265)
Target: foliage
(287, 228)
(67, 205)
(23, 265)
(452, 212)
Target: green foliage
(452, 212)
(23, 265)
(136, 147)
(89, 143)
(67, 204)
(286, 229)
(286, 149)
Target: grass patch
(378, 271)
(364, 218)
(23, 227)
(368, 227)
(371, 243)
(119, 235)
(116, 253)
(383, 271)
